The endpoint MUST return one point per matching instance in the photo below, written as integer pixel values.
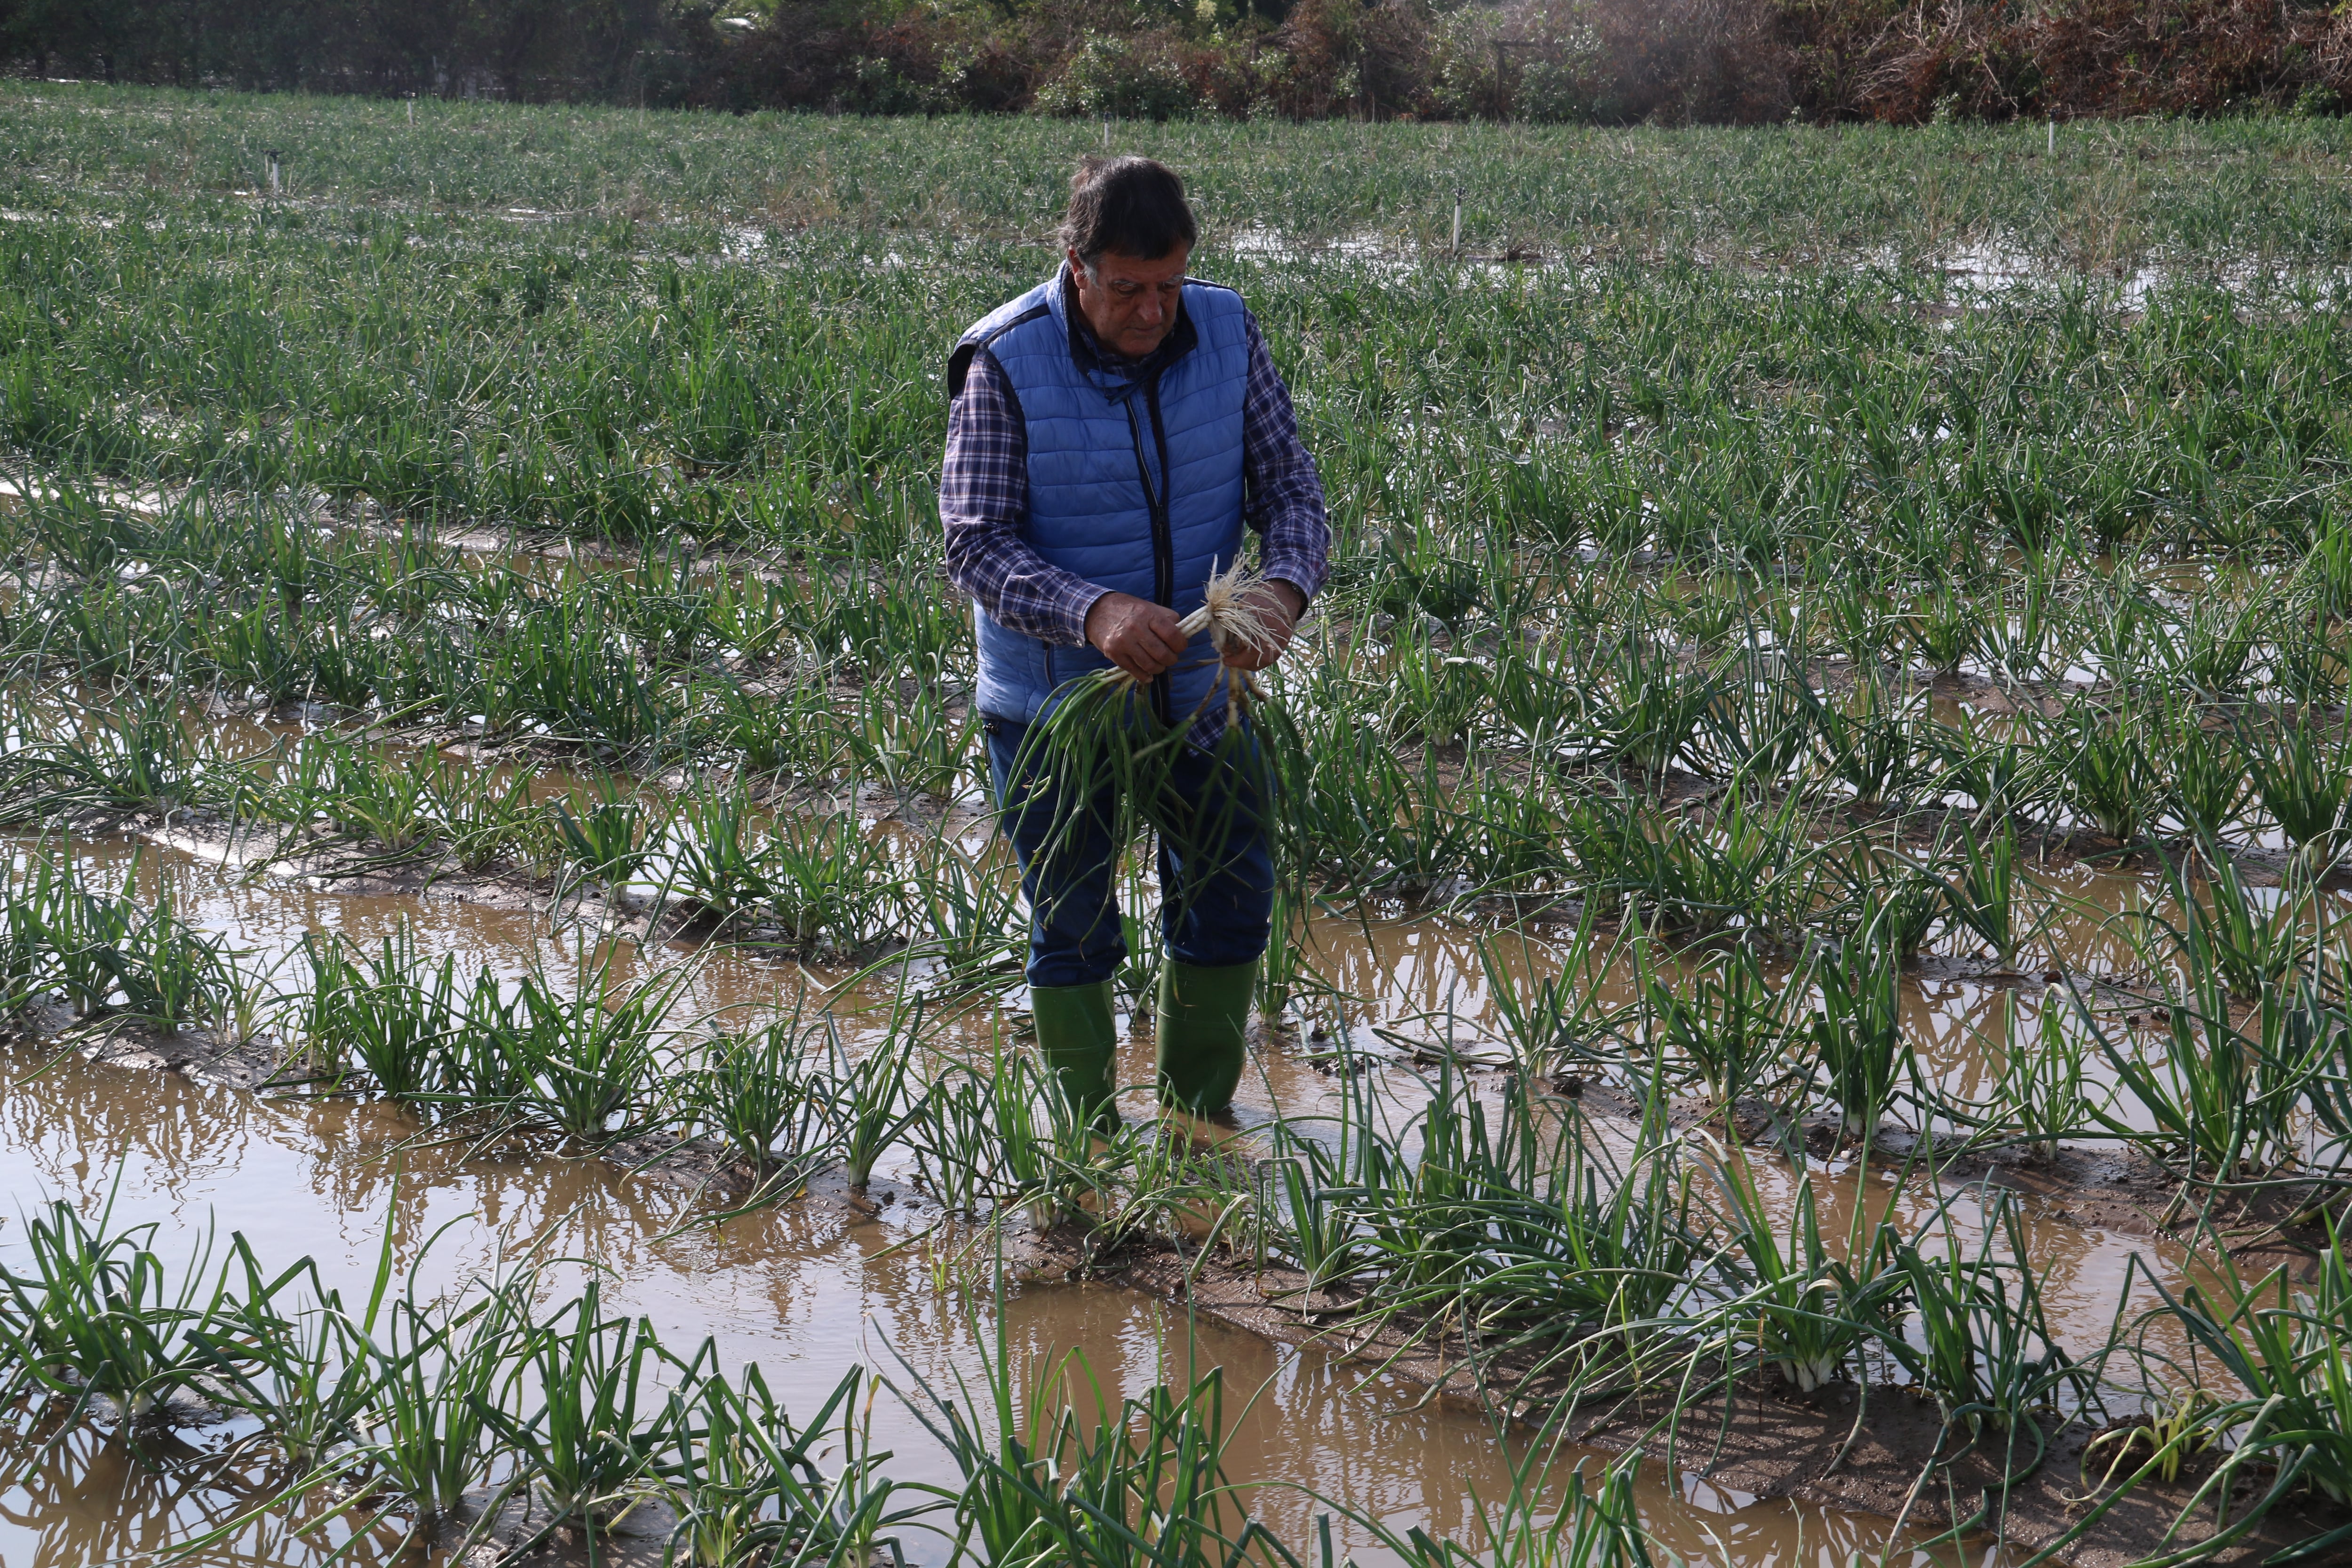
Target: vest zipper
(1163, 542)
(1163, 536)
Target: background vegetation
(1606, 61)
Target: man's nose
(1152, 309)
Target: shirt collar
(1087, 351)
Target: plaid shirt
(984, 500)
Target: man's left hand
(1279, 606)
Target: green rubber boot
(1079, 1040)
(1203, 1029)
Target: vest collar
(1113, 375)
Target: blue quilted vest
(1136, 485)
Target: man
(1110, 433)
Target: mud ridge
(1874, 1452)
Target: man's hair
(1133, 205)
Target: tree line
(1612, 61)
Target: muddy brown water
(811, 1287)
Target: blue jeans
(1215, 900)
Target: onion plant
(112, 954)
(958, 1151)
(1865, 741)
(609, 837)
(1980, 1339)
(2283, 1342)
(2225, 1099)
(964, 910)
(740, 1474)
(1142, 1485)
(2252, 939)
(167, 973)
(1599, 1527)
(96, 1322)
(2210, 783)
(1982, 892)
(587, 1450)
(1729, 1021)
(1857, 1034)
(1102, 743)
(590, 1064)
(2108, 777)
(387, 1015)
(2001, 766)
(24, 933)
(1059, 1163)
(758, 1092)
(2215, 644)
(2304, 777)
(138, 754)
(808, 883)
(1795, 1305)
(2042, 1095)
(1523, 1232)
(476, 1066)
(1546, 1021)
(448, 1375)
(296, 1363)
(873, 1105)
(1428, 694)
(1946, 626)
(1650, 707)
(1306, 1208)
(1758, 727)
(2279, 1431)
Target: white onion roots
(1233, 617)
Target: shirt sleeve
(1285, 491)
(983, 500)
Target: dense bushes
(2071, 58)
(1615, 61)
(620, 50)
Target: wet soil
(53, 1030)
(1868, 1452)
(433, 873)
(2109, 1188)
(1885, 1451)
(806, 1290)
(2112, 1188)
(1424, 970)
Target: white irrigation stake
(272, 156)
(1106, 132)
(1457, 220)
(412, 108)
(2053, 134)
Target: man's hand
(1278, 607)
(1139, 636)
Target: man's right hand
(1142, 638)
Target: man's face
(1130, 302)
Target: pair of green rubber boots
(1202, 1028)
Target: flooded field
(803, 1289)
(1809, 1016)
(888, 1278)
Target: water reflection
(802, 1289)
(806, 1290)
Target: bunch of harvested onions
(1101, 732)
(1231, 615)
